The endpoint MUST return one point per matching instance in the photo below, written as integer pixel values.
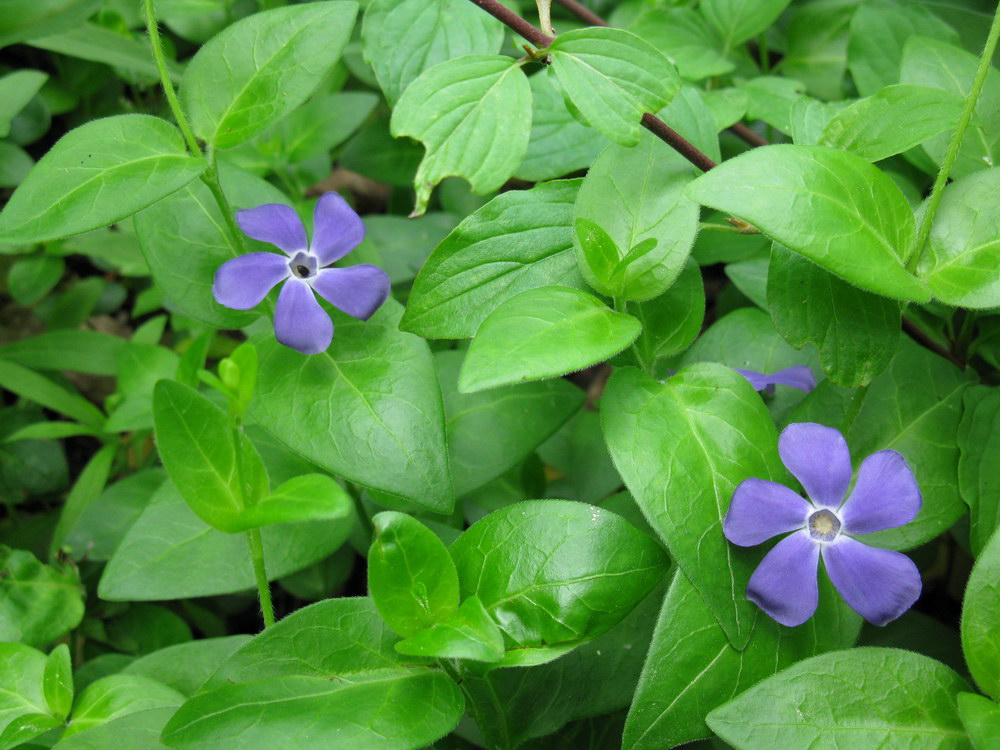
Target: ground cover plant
(466, 374)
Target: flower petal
(337, 229)
(819, 459)
(275, 223)
(357, 290)
(784, 584)
(885, 496)
(241, 283)
(299, 321)
(760, 510)
(800, 376)
(879, 584)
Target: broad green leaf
(468, 633)
(118, 695)
(749, 277)
(38, 602)
(671, 321)
(682, 447)
(978, 471)
(891, 698)
(310, 497)
(830, 206)
(981, 718)
(692, 667)
(688, 41)
(31, 278)
(613, 77)
(135, 731)
(809, 117)
(58, 682)
(98, 174)
(455, 109)
(145, 628)
(636, 195)
(543, 333)
(980, 614)
(690, 116)
(185, 239)
(169, 553)
(493, 431)
(879, 29)
(402, 709)
(186, 666)
(323, 123)
(578, 452)
(24, 710)
(88, 487)
(739, 20)
(556, 572)
(27, 727)
(403, 38)
(399, 245)
(940, 65)
(213, 465)
(15, 163)
(816, 51)
(892, 121)
(772, 99)
(963, 251)
(915, 631)
(29, 19)
(856, 332)
(16, 90)
(411, 577)
(99, 44)
(85, 351)
(520, 240)
(258, 70)
(368, 409)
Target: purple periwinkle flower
(879, 584)
(299, 321)
(800, 376)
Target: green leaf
(962, 253)
(816, 53)
(692, 667)
(578, 452)
(26, 727)
(136, 731)
(740, 20)
(187, 666)
(559, 144)
(96, 43)
(310, 497)
(369, 409)
(57, 683)
(404, 709)
(258, 70)
(28, 19)
(23, 706)
(491, 432)
(892, 698)
(87, 488)
(543, 333)
(455, 110)
(98, 174)
(16, 90)
(31, 278)
(399, 245)
(468, 633)
(73, 349)
(892, 121)
(118, 695)
(978, 474)
(520, 240)
(671, 321)
(411, 577)
(403, 38)
(855, 332)
(682, 447)
(940, 65)
(981, 718)
(980, 614)
(323, 123)
(830, 206)
(216, 475)
(686, 38)
(636, 195)
(169, 553)
(772, 99)
(556, 572)
(38, 602)
(613, 77)
(41, 390)
(15, 163)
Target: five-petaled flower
(878, 584)
(299, 321)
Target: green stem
(260, 573)
(168, 87)
(985, 60)
(854, 408)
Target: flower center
(303, 265)
(823, 525)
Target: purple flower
(800, 377)
(878, 584)
(299, 321)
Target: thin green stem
(260, 573)
(854, 408)
(156, 45)
(985, 60)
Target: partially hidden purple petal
(337, 229)
(241, 283)
(760, 510)
(885, 496)
(784, 584)
(878, 584)
(299, 321)
(275, 223)
(819, 459)
(800, 376)
(357, 290)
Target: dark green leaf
(980, 614)
(138, 731)
(85, 351)
(187, 666)
(739, 20)
(31, 278)
(96, 43)
(671, 321)
(978, 472)
(118, 695)
(686, 38)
